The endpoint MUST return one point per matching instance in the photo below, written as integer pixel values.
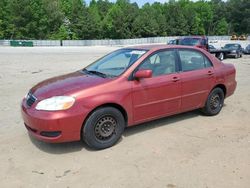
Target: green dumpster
(21, 43)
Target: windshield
(211, 47)
(115, 63)
(190, 41)
(231, 46)
(172, 42)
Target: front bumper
(54, 127)
(232, 54)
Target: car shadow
(70, 147)
(166, 121)
(59, 148)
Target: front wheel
(214, 102)
(237, 56)
(103, 128)
(221, 56)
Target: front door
(159, 95)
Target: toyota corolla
(124, 88)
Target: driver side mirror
(143, 74)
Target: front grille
(30, 99)
(50, 134)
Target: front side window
(163, 62)
(193, 60)
(115, 63)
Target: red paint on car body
(140, 100)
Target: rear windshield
(190, 41)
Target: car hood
(66, 84)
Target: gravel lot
(184, 151)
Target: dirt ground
(183, 151)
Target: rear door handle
(175, 79)
(210, 73)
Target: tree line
(101, 19)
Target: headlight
(56, 103)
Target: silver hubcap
(215, 102)
(105, 127)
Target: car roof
(193, 37)
(159, 47)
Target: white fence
(115, 42)
(108, 42)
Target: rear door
(197, 78)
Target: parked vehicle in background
(234, 50)
(202, 42)
(234, 37)
(247, 49)
(211, 47)
(173, 42)
(197, 41)
(124, 88)
(242, 37)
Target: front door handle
(210, 73)
(175, 79)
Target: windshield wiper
(101, 74)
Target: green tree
(119, 20)
(76, 19)
(61, 34)
(145, 24)
(176, 22)
(239, 16)
(53, 19)
(205, 14)
(73, 19)
(3, 13)
(221, 27)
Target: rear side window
(193, 60)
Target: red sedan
(124, 88)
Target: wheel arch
(221, 86)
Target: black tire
(214, 102)
(103, 128)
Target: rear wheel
(103, 128)
(214, 102)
